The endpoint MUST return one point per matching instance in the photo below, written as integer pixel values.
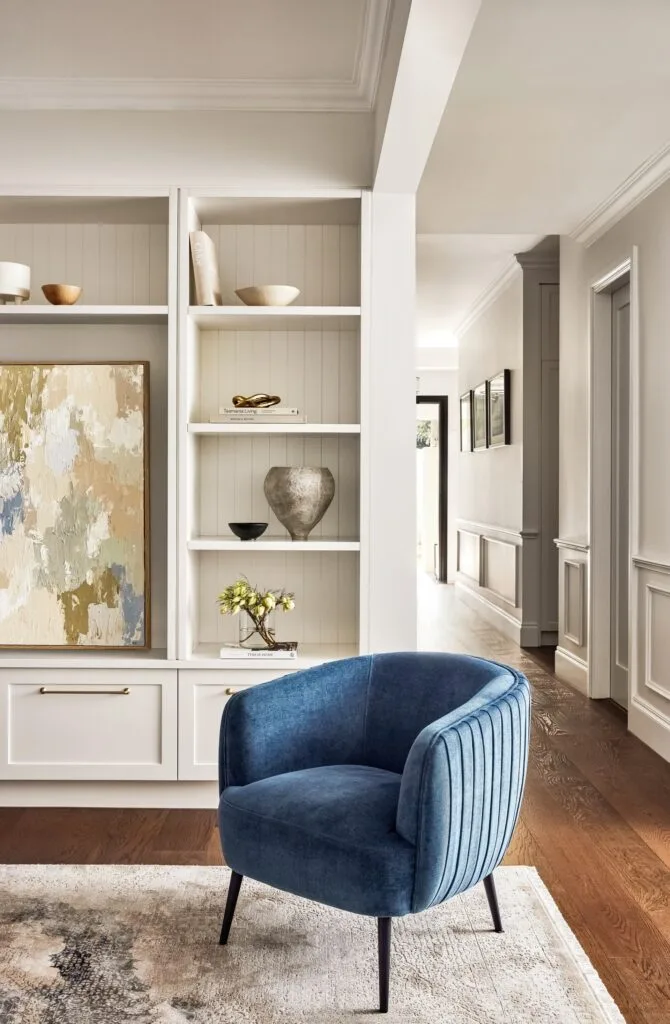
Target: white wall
(232, 148)
(647, 227)
(445, 382)
(490, 482)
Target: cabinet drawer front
(202, 697)
(81, 724)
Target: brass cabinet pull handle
(120, 692)
(230, 690)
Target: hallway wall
(647, 226)
(507, 563)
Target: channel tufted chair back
(382, 785)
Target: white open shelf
(271, 544)
(276, 318)
(274, 428)
(207, 656)
(34, 314)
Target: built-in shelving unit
(129, 250)
(117, 248)
(310, 355)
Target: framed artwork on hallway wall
(498, 402)
(466, 421)
(479, 418)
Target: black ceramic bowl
(248, 531)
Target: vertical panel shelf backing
(115, 248)
(325, 585)
(231, 471)
(317, 372)
(313, 244)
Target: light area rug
(110, 945)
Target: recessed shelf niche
(309, 354)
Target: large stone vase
(299, 496)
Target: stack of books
(275, 414)
(288, 652)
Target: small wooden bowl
(61, 294)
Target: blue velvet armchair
(382, 785)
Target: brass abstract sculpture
(261, 401)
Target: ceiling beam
(435, 38)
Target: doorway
(620, 546)
(614, 341)
(432, 468)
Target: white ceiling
(555, 103)
(452, 272)
(204, 54)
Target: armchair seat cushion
(326, 833)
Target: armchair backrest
(408, 691)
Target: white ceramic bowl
(268, 295)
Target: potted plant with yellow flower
(256, 608)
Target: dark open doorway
(442, 403)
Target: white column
(388, 456)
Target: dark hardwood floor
(595, 821)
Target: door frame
(600, 471)
(443, 478)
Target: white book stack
(275, 414)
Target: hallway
(595, 820)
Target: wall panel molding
(657, 641)
(468, 554)
(499, 569)
(573, 610)
(571, 544)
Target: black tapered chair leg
(492, 897)
(231, 903)
(384, 955)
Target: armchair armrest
(303, 720)
(461, 789)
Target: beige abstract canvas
(73, 505)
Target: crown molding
(492, 291)
(641, 183)
(357, 94)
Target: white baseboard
(573, 670)
(650, 727)
(179, 795)
(495, 616)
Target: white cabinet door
(202, 697)
(91, 724)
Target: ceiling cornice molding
(640, 184)
(182, 94)
(492, 291)
(539, 261)
(371, 50)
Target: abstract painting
(74, 505)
